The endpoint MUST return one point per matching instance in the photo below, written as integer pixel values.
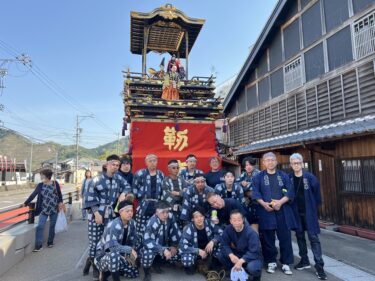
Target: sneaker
(50, 245)
(38, 249)
(271, 267)
(302, 265)
(320, 273)
(286, 269)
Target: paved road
(64, 263)
(17, 197)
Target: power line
(55, 88)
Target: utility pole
(77, 146)
(118, 143)
(31, 161)
(77, 135)
(56, 158)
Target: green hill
(16, 146)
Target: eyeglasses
(296, 163)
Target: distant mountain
(16, 146)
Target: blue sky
(79, 48)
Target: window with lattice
(293, 75)
(364, 35)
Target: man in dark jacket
(223, 208)
(273, 191)
(241, 247)
(305, 206)
(48, 204)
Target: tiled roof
(344, 128)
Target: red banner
(169, 140)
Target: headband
(126, 207)
(151, 156)
(173, 165)
(191, 158)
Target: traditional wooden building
(308, 86)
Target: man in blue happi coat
(191, 170)
(195, 195)
(160, 240)
(246, 182)
(230, 189)
(125, 169)
(246, 178)
(174, 187)
(223, 208)
(273, 191)
(100, 199)
(147, 187)
(116, 251)
(240, 247)
(305, 206)
(200, 240)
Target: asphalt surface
(64, 262)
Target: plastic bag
(61, 223)
(240, 275)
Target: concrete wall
(18, 241)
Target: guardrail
(15, 215)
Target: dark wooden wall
(338, 206)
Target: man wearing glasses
(273, 191)
(305, 206)
(100, 199)
(174, 187)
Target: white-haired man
(305, 206)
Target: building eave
(254, 52)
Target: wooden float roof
(167, 29)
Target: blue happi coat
(167, 187)
(245, 246)
(189, 240)
(113, 236)
(142, 187)
(249, 178)
(153, 236)
(313, 199)
(262, 190)
(237, 192)
(189, 178)
(191, 200)
(102, 194)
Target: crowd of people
(212, 223)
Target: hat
(124, 204)
(162, 205)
